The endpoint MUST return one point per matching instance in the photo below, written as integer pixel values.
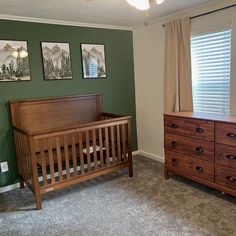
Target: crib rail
(68, 155)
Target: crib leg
(130, 167)
(130, 171)
(22, 184)
(38, 201)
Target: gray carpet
(118, 205)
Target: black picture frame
(98, 61)
(56, 73)
(28, 58)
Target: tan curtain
(178, 84)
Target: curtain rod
(209, 12)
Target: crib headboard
(51, 113)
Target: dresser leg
(166, 174)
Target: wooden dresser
(202, 147)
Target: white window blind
(211, 63)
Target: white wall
(149, 68)
(149, 76)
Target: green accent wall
(117, 89)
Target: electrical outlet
(4, 167)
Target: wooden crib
(61, 141)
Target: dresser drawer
(225, 133)
(189, 146)
(225, 176)
(225, 155)
(189, 165)
(195, 128)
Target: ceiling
(107, 12)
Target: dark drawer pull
(199, 130)
(175, 161)
(173, 144)
(175, 126)
(231, 157)
(199, 150)
(199, 168)
(230, 178)
(231, 135)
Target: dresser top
(205, 116)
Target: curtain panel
(178, 83)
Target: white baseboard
(9, 187)
(135, 152)
(152, 156)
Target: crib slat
(27, 158)
(18, 151)
(21, 156)
(51, 161)
(74, 155)
(58, 146)
(81, 154)
(26, 175)
(43, 163)
(67, 157)
(26, 171)
(107, 145)
(94, 149)
(101, 147)
(118, 142)
(123, 142)
(88, 151)
(113, 144)
(17, 154)
(27, 155)
(129, 138)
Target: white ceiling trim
(194, 11)
(60, 22)
(191, 12)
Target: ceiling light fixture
(159, 1)
(143, 5)
(139, 4)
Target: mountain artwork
(14, 62)
(93, 61)
(56, 61)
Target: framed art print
(56, 61)
(14, 62)
(93, 61)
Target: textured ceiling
(108, 12)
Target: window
(211, 63)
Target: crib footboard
(67, 157)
